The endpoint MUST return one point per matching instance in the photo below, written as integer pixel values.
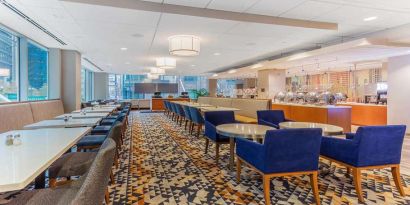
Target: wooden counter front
(333, 115)
(367, 114)
(158, 103)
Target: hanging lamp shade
(184, 45)
(166, 63)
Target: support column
(398, 100)
(54, 73)
(100, 86)
(212, 83)
(71, 80)
(270, 82)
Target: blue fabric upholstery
(173, 108)
(101, 130)
(91, 140)
(213, 119)
(290, 150)
(196, 115)
(370, 146)
(187, 112)
(180, 110)
(271, 117)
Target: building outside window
(8, 67)
(87, 85)
(37, 72)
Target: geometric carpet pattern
(162, 164)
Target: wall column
(54, 73)
(100, 86)
(270, 82)
(398, 75)
(71, 80)
(212, 84)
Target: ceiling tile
(305, 10)
(193, 3)
(273, 7)
(232, 5)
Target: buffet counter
(367, 114)
(158, 103)
(327, 114)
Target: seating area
(204, 102)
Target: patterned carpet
(168, 166)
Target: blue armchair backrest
(196, 115)
(187, 112)
(291, 150)
(172, 106)
(379, 145)
(179, 109)
(272, 116)
(220, 117)
(165, 104)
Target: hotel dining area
(169, 102)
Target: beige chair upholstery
(204, 100)
(45, 110)
(15, 116)
(221, 102)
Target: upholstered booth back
(45, 110)
(15, 116)
(204, 100)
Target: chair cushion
(244, 119)
(15, 116)
(103, 130)
(72, 164)
(91, 140)
(107, 121)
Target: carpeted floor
(165, 165)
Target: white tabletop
(208, 109)
(193, 104)
(85, 115)
(243, 130)
(21, 164)
(326, 129)
(95, 110)
(59, 123)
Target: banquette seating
(247, 107)
(15, 116)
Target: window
(37, 72)
(87, 85)
(8, 67)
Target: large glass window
(8, 67)
(37, 72)
(87, 85)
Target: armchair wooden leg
(348, 171)
(315, 187)
(186, 123)
(112, 177)
(199, 130)
(266, 189)
(217, 153)
(206, 145)
(396, 176)
(107, 196)
(238, 170)
(357, 180)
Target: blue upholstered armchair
(271, 117)
(283, 153)
(371, 147)
(213, 119)
(197, 120)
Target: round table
(248, 131)
(326, 129)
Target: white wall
(71, 80)
(271, 81)
(54, 73)
(100, 86)
(398, 101)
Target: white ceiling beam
(209, 13)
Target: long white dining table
(82, 116)
(59, 123)
(95, 110)
(21, 164)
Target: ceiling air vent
(92, 63)
(30, 20)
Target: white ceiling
(99, 32)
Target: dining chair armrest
(339, 149)
(350, 136)
(210, 130)
(249, 151)
(263, 122)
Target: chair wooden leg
(238, 170)
(357, 180)
(315, 187)
(198, 130)
(266, 189)
(107, 196)
(206, 145)
(348, 171)
(186, 123)
(217, 153)
(112, 177)
(192, 128)
(396, 176)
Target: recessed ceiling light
(193, 65)
(127, 63)
(124, 49)
(232, 71)
(215, 75)
(217, 54)
(371, 18)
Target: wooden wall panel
(366, 115)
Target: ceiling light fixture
(157, 71)
(193, 65)
(184, 45)
(152, 76)
(166, 63)
(258, 65)
(217, 54)
(127, 63)
(232, 71)
(4, 72)
(371, 18)
(215, 75)
(124, 49)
